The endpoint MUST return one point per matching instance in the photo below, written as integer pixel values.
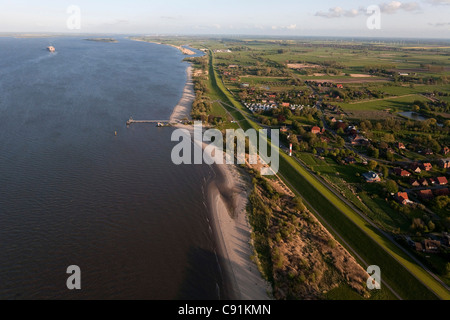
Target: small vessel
(51, 49)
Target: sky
(408, 19)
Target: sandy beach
(183, 109)
(227, 200)
(228, 197)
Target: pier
(160, 123)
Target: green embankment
(399, 271)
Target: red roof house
(316, 130)
(402, 197)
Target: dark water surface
(73, 193)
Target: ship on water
(51, 49)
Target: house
(245, 85)
(441, 181)
(285, 104)
(442, 192)
(340, 86)
(425, 194)
(427, 166)
(371, 177)
(432, 246)
(358, 140)
(402, 173)
(284, 129)
(445, 151)
(444, 163)
(333, 120)
(401, 146)
(415, 183)
(424, 182)
(316, 130)
(428, 152)
(415, 167)
(402, 198)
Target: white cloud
(389, 8)
(338, 12)
(439, 2)
(290, 27)
(395, 6)
(440, 24)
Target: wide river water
(73, 193)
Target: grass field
(402, 103)
(368, 243)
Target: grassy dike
(398, 270)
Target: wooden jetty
(159, 123)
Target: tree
(441, 202)
(385, 171)
(372, 164)
(431, 226)
(391, 186)
(340, 142)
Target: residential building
(432, 246)
(402, 173)
(371, 177)
(425, 194)
(444, 163)
(316, 130)
(402, 198)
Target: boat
(51, 49)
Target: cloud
(289, 27)
(338, 12)
(389, 8)
(440, 24)
(395, 6)
(439, 2)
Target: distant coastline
(185, 51)
(107, 40)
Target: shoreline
(184, 51)
(227, 201)
(183, 108)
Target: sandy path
(183, 109)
